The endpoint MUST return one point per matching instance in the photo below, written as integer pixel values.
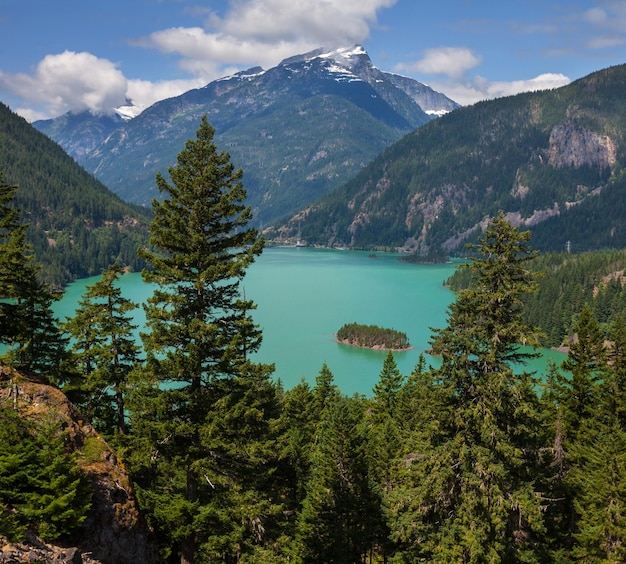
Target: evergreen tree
(341, 518)
(470, 495)
(41, 488)
(578, 395)
(28, 326)
(325, 390)
(104, 345)
(593, 490)
(388, 387)
(203, 412)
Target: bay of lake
(304, 295)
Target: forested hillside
(553, 161)
(77, 227)
(568, 283)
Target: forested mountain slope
(76, 225)
(568, 283)
(552, 160)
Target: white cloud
(266, 31)
(608, 22)
(454, 62)
(69, 81)
(479, 88)
(251, 32)
(144, 93)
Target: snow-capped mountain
(298, 130)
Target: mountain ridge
(298, 130)
(544, 158)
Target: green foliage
(387, 389)
(41, 488)
(27, 324)
(340, 519)
(77, 226)
(203, 413)
(469, 495)
(104, 347)
(372, 336)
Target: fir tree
(27, 324)
(470, 495)
(388, 387)
(203, 412)
(341, 518)
(104, 345)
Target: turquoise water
(305, 295)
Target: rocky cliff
(114, 531)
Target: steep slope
(79, 134)
(298, 130)
(552, 160)
(76, 225)
(114, 530)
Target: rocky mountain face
(114, 530)
(79, 134)
(298, 130)
(553, 161)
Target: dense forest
(570, 282)
(468, 461)
(77, 226)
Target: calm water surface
(305, 295)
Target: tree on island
(202, 411)
(372, 336)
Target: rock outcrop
(114, 531)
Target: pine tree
(203, 412)
(387, 389)
(104, 345)
(470, 495)
(28, 326)
(341, 519)
(594, 439)
(41, 487)
(325, 391)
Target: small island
(373, 337)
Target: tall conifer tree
(27, 324)
(470, 496)
(202, 411)
(105, 347)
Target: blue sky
(72, 55)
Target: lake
(304, 295)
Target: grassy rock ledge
(373, 337)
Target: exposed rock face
(114, 531)
(573, 145)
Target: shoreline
(374, 348)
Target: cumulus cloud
(249, 33)
(454, 62)
(70, 81)
(143, 93)
(266, 31)
(479, 88)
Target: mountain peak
(346, 56)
